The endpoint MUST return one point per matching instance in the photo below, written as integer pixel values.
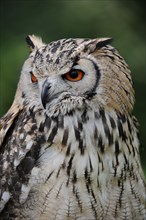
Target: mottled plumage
(69, 146)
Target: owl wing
(7, 121)
(19, 150)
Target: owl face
(71, 73)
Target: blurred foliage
(123, 20)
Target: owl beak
(45, 93)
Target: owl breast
(81, 170)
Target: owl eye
(33, 78)
(74, 75)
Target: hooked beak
(45, 93)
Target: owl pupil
(73, 74)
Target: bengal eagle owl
(69, 142)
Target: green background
(122, 20)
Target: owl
(69, 145)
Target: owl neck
(95, 144)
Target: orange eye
(74, 75)
(33, 78)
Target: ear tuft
(101, 42)
(96, 44)
(34, 42)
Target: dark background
(122, 20)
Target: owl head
(70, 74)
